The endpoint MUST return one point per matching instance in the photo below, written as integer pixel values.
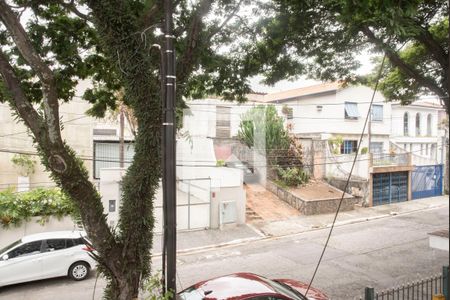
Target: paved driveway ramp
(262, 205)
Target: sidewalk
(235, 234)
(188, 241)
(359, 214)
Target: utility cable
(185, 163)
(348, 178)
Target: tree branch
(26, 49)
(187, 62)
(225, 22)
(18, 98)
(72, 8)
(433, 47)
(150, 16)
(402, 65)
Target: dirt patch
(317, 190)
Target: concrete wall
(356, 188)
(226, 195)
(12, 234)
(331, 118)
(311, 207)
(14, 137)
(200, 118)
(200, 192)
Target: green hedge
(18, 207)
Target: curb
(215, 246)
(265, 236)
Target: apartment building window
(418, 124)
(106, 155)
(377, 147)
(377, 113)
(429, 118)
(348, 147)
(406, 124)
(351, 110)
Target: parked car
(252, 287)
(250, 174)
(45, 255)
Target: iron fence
(435, 287)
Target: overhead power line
(348, 179)
(186, 163)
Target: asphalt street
(381, 253)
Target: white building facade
(415, 129)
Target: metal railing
(432, 288)
(390, 159)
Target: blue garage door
(390, 188)
(426, 181)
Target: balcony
(390, 162)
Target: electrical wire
(26, 131)
(348, 180)
(185, 163)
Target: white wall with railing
(340, 165)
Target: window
(377, 113)
(406, 124)
(417, 124)
(421, 149)
(223, 121)
(79, 241)
(106, 155)
(57, 244)
(290, 113)
(348, 147)
(377, 147)
(26, 249)
(351, 110)
(426, 149)
(429, 125)
(70, 243)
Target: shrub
(18, 207)
(24, 163)
(220, 163)
(293, 176)
(335, 144)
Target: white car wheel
(79, 271)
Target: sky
(283, 85)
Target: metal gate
(426, 181)
(390, 188)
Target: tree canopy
(321, 39)
(48, 46)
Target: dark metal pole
(169, 127)
(121, 136)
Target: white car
(46, 255)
